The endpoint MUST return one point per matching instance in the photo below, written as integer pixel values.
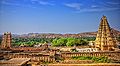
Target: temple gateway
(105, 39)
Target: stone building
(105, 39)
(6, 41)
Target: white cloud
(73, 5)
(97, 9)
(9, 3)
(16, 4)
(41, 2)
(45, 3)
(93, 6)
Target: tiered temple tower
(105, 39)
(6, 41)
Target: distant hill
(52, 35)
(116, 32)
(90, 34)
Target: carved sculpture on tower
(6, 41)
(105, 40)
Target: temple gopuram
(105, 40)
(6, 41)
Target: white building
(87, 49)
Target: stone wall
(34, 57)
(110, 54)
(65, 55)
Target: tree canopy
(54, 41)
(69, 42)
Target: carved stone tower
(6, 41)
(105, 39)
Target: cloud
(45, 3)
(99, 7)
(93, 6)
(109, 4)
(41, 2)
(9, 3)
(73, 5)
(97, 10)
(5, 2)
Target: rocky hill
(90, 34)
(52, 35)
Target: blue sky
(57, 16)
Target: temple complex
(23, 56)
(105, 39)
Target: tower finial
(104, 17)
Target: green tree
(71, 42)
(83, 42)
(54, 42)
(62, 41)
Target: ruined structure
(105, 39)
(6, 41)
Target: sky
(57, 16)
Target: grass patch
(101, 59)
